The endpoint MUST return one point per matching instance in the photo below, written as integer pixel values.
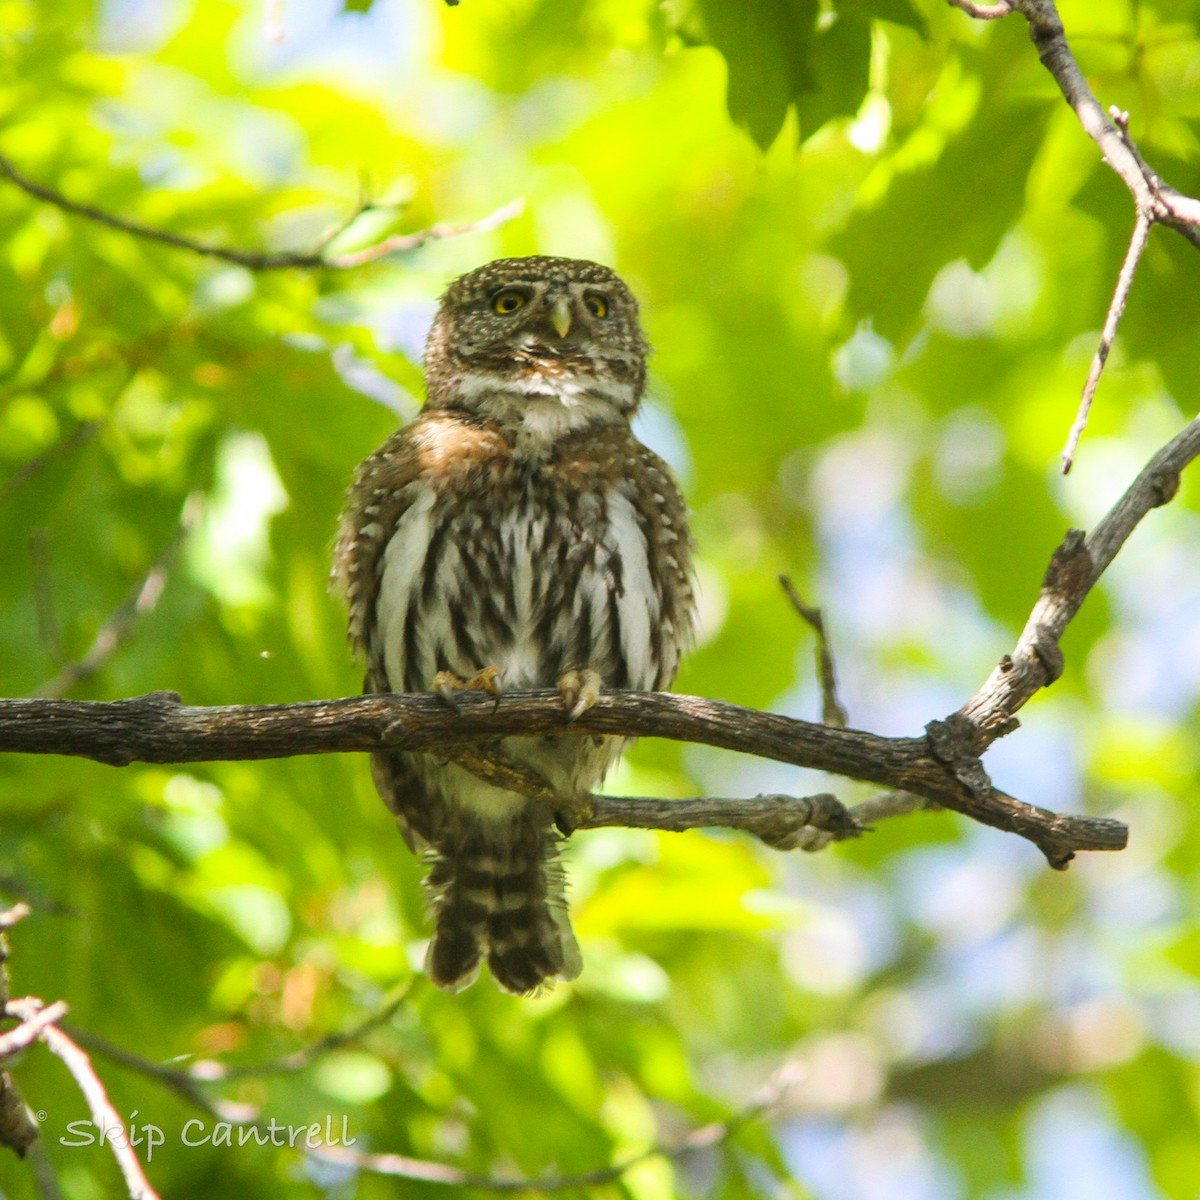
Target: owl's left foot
(447, 685)
(579, 690)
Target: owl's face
(540, 330)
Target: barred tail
(497, 889)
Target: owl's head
(551, 333)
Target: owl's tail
(498, 889)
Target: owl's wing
(384, 487)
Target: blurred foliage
(871, 329)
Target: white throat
(546, 408)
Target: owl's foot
(447, 685)
(580, 689)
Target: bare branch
(104, 1116)
(1163, 204)
(31, 1027)
(158, 728)
(174, 1079)
(1077, 564)
(17, 1128)
(140, 602)
(833, 712)
(1137, 244)
(401, 242)
(255, 260)
(985, 12)
(783, 822)
(10, 917)
(1156, 201)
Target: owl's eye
(596, 304)
(508, 301)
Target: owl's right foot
(447, 685)
(579, 689)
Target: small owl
(516, 534)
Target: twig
(139, 603)
(187, 1082)
(104, 1115)
(1164, 204)
(783, 822)
(12, 916)
(833, 711)
(31, 1026)
(865, 816)
(174, 1079)
(209, 1070)
(1156, 202)
(256, 260)
(984, 12)
(401, 242)
(1137, 244)
(17, 1128)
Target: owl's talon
(564, 824)
(447, 685)
(580, 689)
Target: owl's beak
(560, 315)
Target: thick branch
(942, 767)
(158, 728)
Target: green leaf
(767, 46)
(898, 12)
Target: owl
(515, 535)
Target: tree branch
(256, 260)
(833, 712)
(942, 767)
(1076, 566)
(159, 728)
(1116, 309)
(1163, 204)
(17, 1128)
(104, 1116)
(1155, 200)
(31, 1026)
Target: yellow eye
(596, 304)
(508, 301)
